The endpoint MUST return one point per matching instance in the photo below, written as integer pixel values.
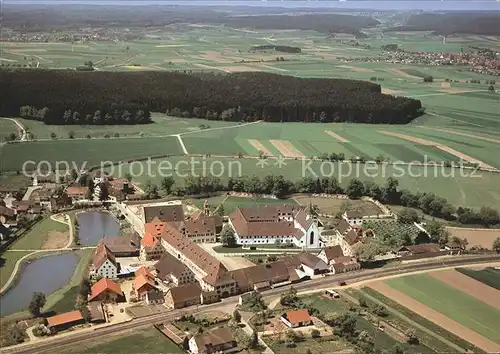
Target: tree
(396, 349)
(412, 337)
(81, 302)
(496, 245)
(37, 303)
(315, 333)
(85, 288)
(236, 316)
(227, 236)
(15, 334)
(220, 210)
(362, 302)
(491, 88)
(355, 189)
(85, 314)
(368, 251)
(254, 340)
(151, 190)
(381, 311)
(408, 216)
(53, 135)
(103, 192)
(345, 325)
(167, 183)
(289, 298)
(428, 78)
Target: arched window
(311, 238)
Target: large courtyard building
(275, 224)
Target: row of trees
(116, 114)
(68, 97)
(278, 48)
(389, 193)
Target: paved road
(49, 344)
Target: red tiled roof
(352, 237)
(204, 225)
(77, 190)
(105, 285)
(297, 316)
(141, 281)
(185, 293)
(343, 226)
(63, 318)
(144, 271)
(213, 338)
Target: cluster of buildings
(476, 61)
(192, 276)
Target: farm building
(64, 321)
(297, 318)
(353, 217)
(104, 263)
(121, 246)
(215, 341)
(170, 269)
(106, 290)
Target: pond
(93, 225)
(46, 274)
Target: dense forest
(233, 97)
(481, 23)
(278, 48)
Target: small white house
(353, 217)
(297, 318)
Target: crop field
(458, 311)
(162, 125)
(391, 227)
(476, 237)
(7, 127)
(489, 276)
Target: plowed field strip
(436, 317)
(258, 145)
(336, 136)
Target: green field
(459, 190)
(92, 152)
(34, 238)
(389, 227)
(162, 125)
(146, 341)
(7, 127)
(403, 316)
(458, 306)
(7, 263)
(488, 276)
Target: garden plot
(391, 227)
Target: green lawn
(7, 127)
(8, 261)
(34, 238)
(148, 341)
(454, 304)
(92, 152)
(488, 276)
(232, 203)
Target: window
(311, 238)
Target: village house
(263, 276)
(164, 212)
(104, 263)
(44, 178)
(353, 217)
(200, 230)
(214, 341)
(274, 224)
(64, 321)
(334, 257)
(62, 201)
(141, 285)
(183, 296)
(151, 247)
(154, 297)
(169, 269)
(24, 207)
(96, 312)
(121, 246)
(106, 290)
(77, 193)
(297, 318)
(7, 215)
(307, 263)
(420, 251)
